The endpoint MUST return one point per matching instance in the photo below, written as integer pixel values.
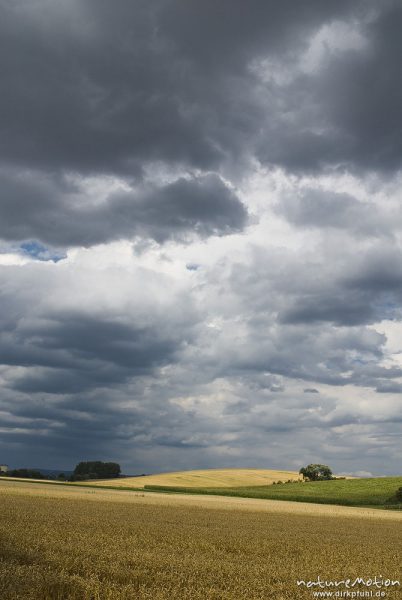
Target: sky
(201, 234)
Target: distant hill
(205, 478)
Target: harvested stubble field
(85, 544)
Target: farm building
(3, 468)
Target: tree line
(83, 471)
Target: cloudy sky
(201, 234)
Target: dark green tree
(95, 469)
(26, 474)
(315, 472)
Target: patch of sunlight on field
(206, 478)
(5, 478)
(35, 490)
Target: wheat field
(206, 478)
(89, 544)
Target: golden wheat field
(88, 544)
(206, 478)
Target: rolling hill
(216, 478)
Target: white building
(3, 468)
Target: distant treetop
(316, 472)
(95, 470)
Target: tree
(26, 474)
(95, 470)
(398, 494)
(316, 472)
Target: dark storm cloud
(367, 113)
(89, 88)
(346, 112)
(306, 320)
(343, 309)
(378, 272)
(53, 343)
(115, 343)
(91, 91)
(226, 35)
(34, 207)
(347, 288)
(339, 211)
(81, 376)
(77, 352)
